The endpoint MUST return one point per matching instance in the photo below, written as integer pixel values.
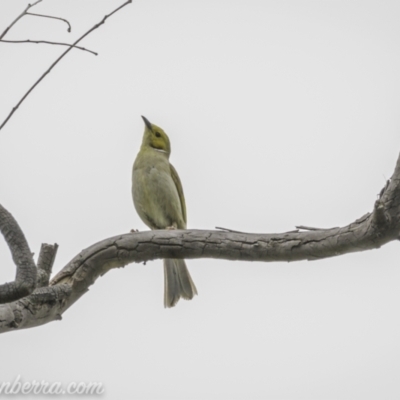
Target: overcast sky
(280, 113)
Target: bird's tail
(177, 282)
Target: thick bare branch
(59, 59)
(25, 280)
(371, 231)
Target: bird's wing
(178, 184)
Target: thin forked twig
(47, 42)
(59, 58)
(19, 17)
(49, 16)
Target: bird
(159, 200)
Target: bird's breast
(155, 194)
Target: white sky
(280, 113)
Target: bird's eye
(158, 134)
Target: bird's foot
(134, 230)
(172, 227)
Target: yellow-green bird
(158, 198)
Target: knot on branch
(380, 218)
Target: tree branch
(47, 42)
(49, 16)
(45, 263)
(18, 18)
(25, 281)
(371, 231)
(59, 59)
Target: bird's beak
(147, 122)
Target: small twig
(19, 17)
(311, 228)
(384, 188)
(228, 230)
(47, 42)
(49, 16)
(59, 58)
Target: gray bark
(48, 303)
(25, 280)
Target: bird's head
(155, 137)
